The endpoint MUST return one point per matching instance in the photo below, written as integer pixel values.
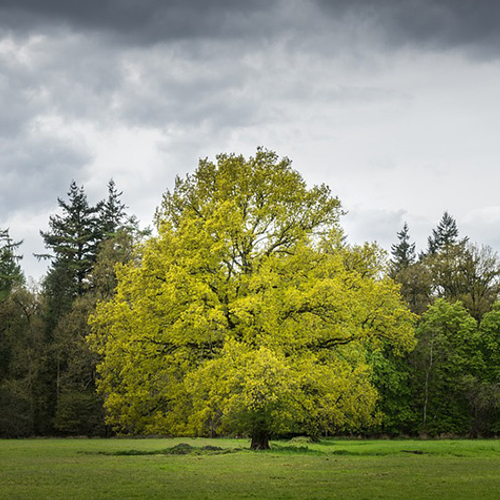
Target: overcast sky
(395, 104)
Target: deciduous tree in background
(21, 346)
(466, 272)
(447, 353)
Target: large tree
(247, 314)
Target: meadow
(225, 468)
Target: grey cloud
(167, 89)
(373, 225)
(73, 77)
(34, 164)
(35, 171)
(481, 225)
(66, 76)
(18, 95)
(440, 24)
(140, 20)
(49, 87)
(40, 78)
(382, 226)
(16, 111)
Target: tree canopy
(247, 314)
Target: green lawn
(346, 469)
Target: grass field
(149, 468)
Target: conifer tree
(413, 276)
(444, 235)
(403, 253)
(73, 238)
(10, 271)
(112, 213)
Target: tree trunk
(426, 387)
(260, 440)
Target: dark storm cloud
(440, 24)
(140, 20)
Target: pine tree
(403, 253)
(112, 214)
(74, 238)
(413, 276)
(10, 271)
(444, 235)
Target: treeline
(448, 384)
(47, 372)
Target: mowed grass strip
(347, 469)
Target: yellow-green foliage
(247, 313)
